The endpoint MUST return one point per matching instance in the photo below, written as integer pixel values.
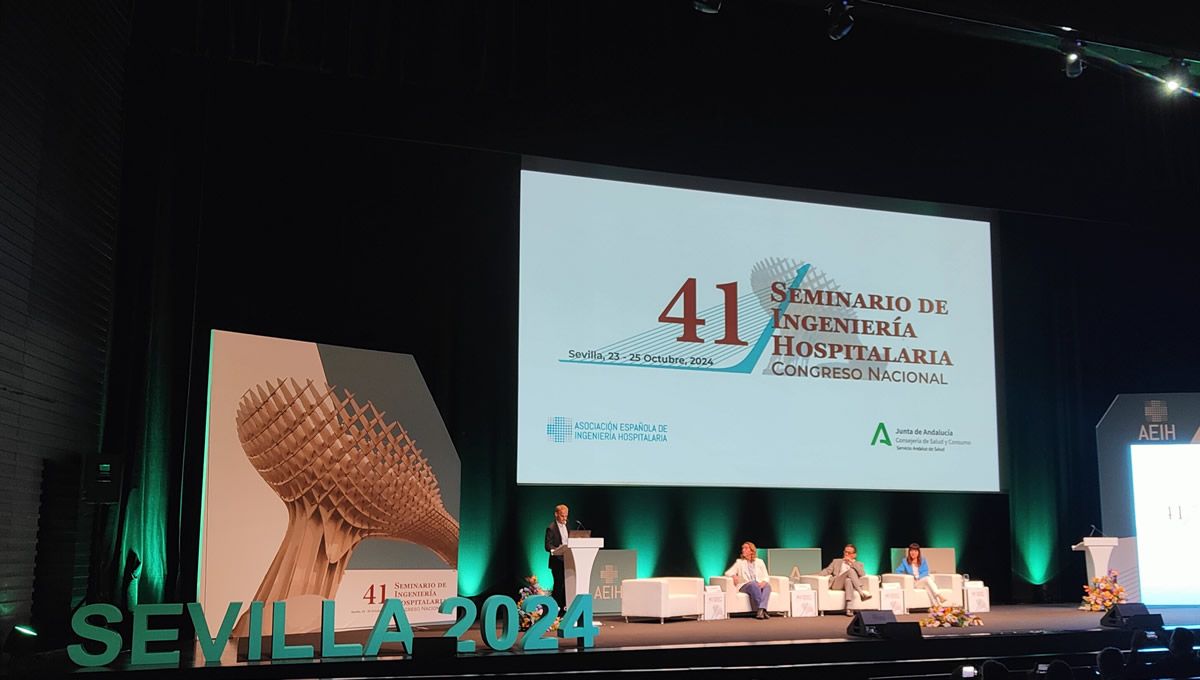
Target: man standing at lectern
(556, 536)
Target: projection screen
(684, 332)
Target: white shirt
(845, 567)
(562, 532)
(746, 571)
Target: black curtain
(147, 420)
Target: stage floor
(1010, 619)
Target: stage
(816, 647)
(831, 628)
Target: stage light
(21, 641)
(1073, 56)
(863, 524)
(1175, 77)
(709, 526)
(633, 515)
(535, 507)
(947, 518)
(476, 544)
(707, 6)
(798, 517)
(840, 19)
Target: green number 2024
(498, 623)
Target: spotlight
(1176, 76)
(1073, 55)
(840, 19)
(707, 6)
(21, 641)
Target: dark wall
(357, 181)
(61, 84)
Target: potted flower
(1102, 593)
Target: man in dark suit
(556, 537)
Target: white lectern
(1098, 549)
(578, 555)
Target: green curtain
(141, 551)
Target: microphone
(579, 525)
(1095, 531)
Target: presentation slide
(1165, 508)
(680, 337)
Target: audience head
(1059, 670)
(914, 552)
(1110, 663)
(993, 670)
(1182, 641)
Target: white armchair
(830, 600)
(950, 586)
(662, 598)
(737, 602)
(942, 571)
(947, 585)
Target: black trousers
(559, 591)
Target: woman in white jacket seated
(915, 566)
(750, 576)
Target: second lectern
(1098, 550)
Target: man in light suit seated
(750, 576)
(848, 575)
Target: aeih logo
(1156, 428)
(609, 590)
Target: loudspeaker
(1131, 615)
(434, 647)
(101, 479)
(901, 630)
(881, 623)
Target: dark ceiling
(909, 104)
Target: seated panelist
(750, 576)
(917, 567)
(848, 574)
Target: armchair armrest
(947, 581)
(726, 583)
(685, 585)
(815, 581)
(644, 590)
(780, 584)
(906, 581)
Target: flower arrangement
(525, 619)
(1102, 593)
(950, 617)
